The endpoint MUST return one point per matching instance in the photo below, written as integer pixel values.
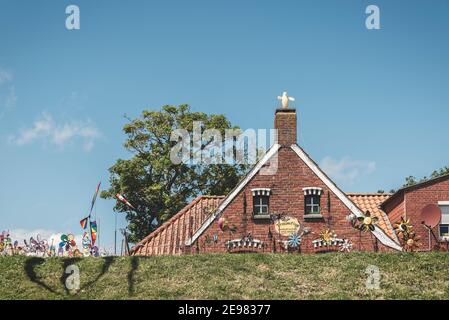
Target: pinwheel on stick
(403, 227)
(367, 222)
(411, 241)
(67, 241)
(294, 240)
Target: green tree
(411, 180)
(156, 186)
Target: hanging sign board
(286, 226)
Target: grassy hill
(230, 276)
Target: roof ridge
(416, 185)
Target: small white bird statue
(285, 99)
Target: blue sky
(373, 104)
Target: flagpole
(98, 235)
(115, 235)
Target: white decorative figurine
(285, 99)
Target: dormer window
(312, 200)
(261, 201)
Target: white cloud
(47, 130)
(346, 170)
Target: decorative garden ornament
(327, 235)
(367, 222)
(285, 99)
(328, 241)
(294, 240)
(222, 223)
(346, 246)
(403, 227)
(411, 241)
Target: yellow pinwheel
(367, 222)
(411, 241)
(327, 235)
(403, 227)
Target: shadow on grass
(107, 263)
(32, 263)
(134, 266)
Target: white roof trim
(378, 233)
(273, 150)
(443, 203)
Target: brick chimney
(285, 123)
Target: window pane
(312, 204)
(260, 204)
(444, 230)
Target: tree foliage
(157, 187)
(411, 180)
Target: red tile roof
(371, 202)
(170, 237)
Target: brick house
(265, 210)
(409, 203)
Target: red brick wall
(285, 124)
(395, 209)
(417, 199)
(286, 197)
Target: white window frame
(442, 204)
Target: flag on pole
(95, 197)
(122, 199)
(93, 231)
(83, 223)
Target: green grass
(230, 276)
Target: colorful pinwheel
(403, 227)
(327, 235)
(85, 242)
(411, 241)
(367, 222)
(294, 240)
(67, 241)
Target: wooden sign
(286, 226)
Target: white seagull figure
(285, 99)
